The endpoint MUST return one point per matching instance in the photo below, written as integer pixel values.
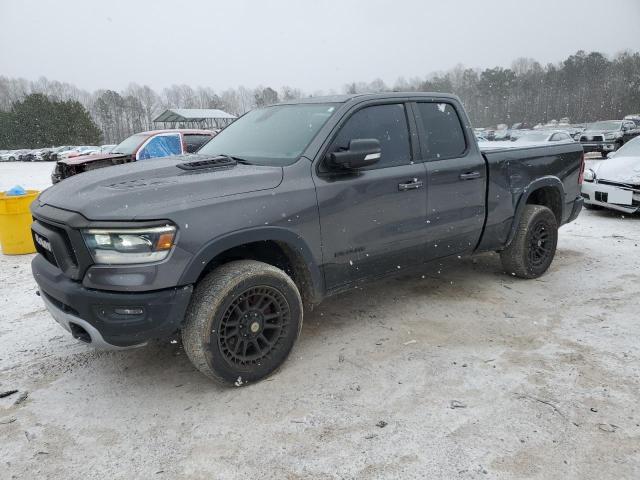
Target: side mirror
(361, 153)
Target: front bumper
(589, 147)
(95, 316)
(610, 196)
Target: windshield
(274, 135)
(630, 149)
(130, 145)
(608, 125)
(534, 137)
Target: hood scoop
(140, 183)
(210, 163)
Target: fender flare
(546, 181)
(282, 235)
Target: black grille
(65, 248)
(592, 138)
(43, 251)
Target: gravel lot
(462, 372)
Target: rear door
(456, 179)
(372, 220)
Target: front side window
(556, 137)
(161, 146)
(386, 123)
(442, 129)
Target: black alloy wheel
(253, 324)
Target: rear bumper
(577, 208)
(599, 146)
(108, 319)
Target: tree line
(584, 87)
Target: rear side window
(387, 123)
(161, 146)
(559, 136)
(194, 142)
(444, 135)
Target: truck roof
(367, 96)
(181, 130)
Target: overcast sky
(310, 44)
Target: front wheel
(242, 322)
(534, 245)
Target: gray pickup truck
(291, 203)
(608, 136)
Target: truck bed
(513, 171)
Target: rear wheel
(532, 249)
(242, 322)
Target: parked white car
(8, 156)
(545, 136)
(615, 183)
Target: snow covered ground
(475, 374)
(30, 175)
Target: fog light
(128, 311)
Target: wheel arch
(548, 192)
(273, 245)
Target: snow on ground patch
(30, 175)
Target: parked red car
(140, 146)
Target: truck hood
(81, 159)
(619, 170)
(150, 190)
(591, 133)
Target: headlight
(127, 246)
(589, 175)
(612, 135)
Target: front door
(372, 220)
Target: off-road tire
(534, 245)
(205, 334)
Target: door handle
(469, 175)
(412, 185)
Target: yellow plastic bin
(15, 223)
